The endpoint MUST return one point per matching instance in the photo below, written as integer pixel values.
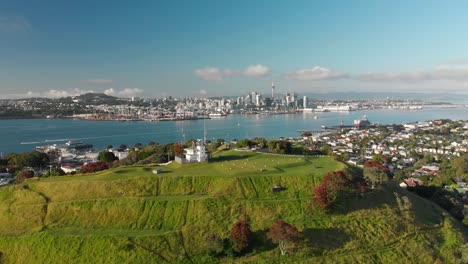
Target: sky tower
(273, 91)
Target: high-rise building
(253, 96)
(304, 102)
(258, 100)
(248, 99)
(273, 91)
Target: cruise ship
(78, 145)
(362, 122)
(333, 108)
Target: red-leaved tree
(241, 236)
(94, 167)
(178, 149)
(375, 164)
(283, 234)
(321, 196)
(332, 184)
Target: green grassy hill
(130, 215)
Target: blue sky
(189, 48)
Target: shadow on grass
(121, 171)
(369, 200)
(260, 241)
(228, 158)
(159, 168)
(279, 169)
(318, 240)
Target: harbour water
(23, 135)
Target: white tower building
(273, 91)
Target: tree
(29, 159)
(23, 175)
(241, 236)
(279, 146)
(378, 158)
(214, 243)
(321, 196)
(283, 234)
(375, 164)
(460, 164)
(178, 149)
(106, 156)
(260, 142)
(212, 147)
(55, 172)
(138, 145)
(375, 175)
(109, 147)
(334, 185)
(94, 167)
(123, 147)
(244, 143)
(428, 159)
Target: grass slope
(129, 215)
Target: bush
(55, 172)
(244, 143)
(94, 167)
(23, 175)
(106, 156)
(279, 146)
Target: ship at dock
(361, 122)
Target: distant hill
(97, 98)
(130, 215)
(434, 97)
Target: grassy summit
(130, 215)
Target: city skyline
(217, 48)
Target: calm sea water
(24, 135)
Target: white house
(196, 153)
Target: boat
(217, 114)
(77, 145)
(362, 122)
(315, 117)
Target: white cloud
(129, 92)
(215, 74)
(203, 92)
(257, 71)
(13, 24)
(97, 81)
(316, 73)
(109, 91)
(443, 72)
(210, 74)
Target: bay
(23, 135)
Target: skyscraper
(304, 102)
(273, 91)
